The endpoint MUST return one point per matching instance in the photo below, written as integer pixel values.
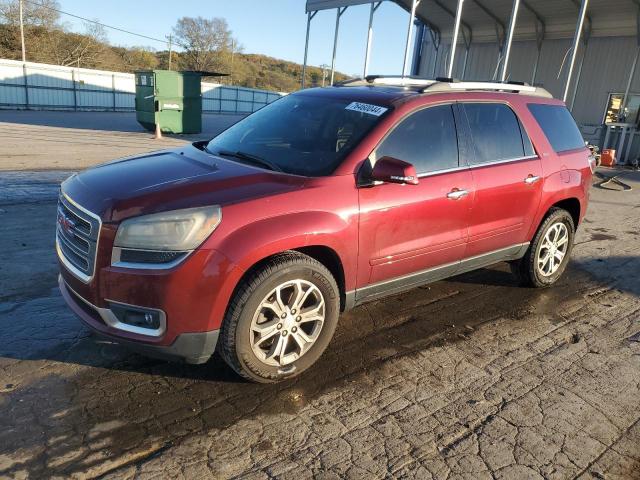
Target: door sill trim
(433, 274)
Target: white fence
(52, 87)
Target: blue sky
(271, 27)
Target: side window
(558, 125)
(495, 131)
(427, 139)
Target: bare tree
(38, 14)
(206, 42)
(73, 49)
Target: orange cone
(158, 131)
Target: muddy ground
(472, 377)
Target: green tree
(206, 43)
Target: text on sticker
(366, 108)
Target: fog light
(136, 317)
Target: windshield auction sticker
(366, 108)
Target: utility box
(171, 99)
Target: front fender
(255, 241)
(258, 240)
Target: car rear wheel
(548, 254)
(281, 318)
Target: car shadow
(498, 276)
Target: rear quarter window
(558, 125)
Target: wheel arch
(571, 205)
(332, 261)
(324, 254)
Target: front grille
(77, 238)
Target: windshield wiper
(248, 157)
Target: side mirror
(392, 170)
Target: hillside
(59, 47)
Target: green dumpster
(171, 99)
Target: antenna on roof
(447, 79)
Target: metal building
(584, 51)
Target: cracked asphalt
(472, 377)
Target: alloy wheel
(287, 323)
(553, 249)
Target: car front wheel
(281, 318)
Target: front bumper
(192, 347)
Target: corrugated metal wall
(606, 68)
(40, 86)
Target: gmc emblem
(65, 222)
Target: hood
(172, 179)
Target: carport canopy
(607, 17)
(500, 21)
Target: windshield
(299, 134)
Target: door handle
(457, 194)
(531, 179)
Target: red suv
(254, 242)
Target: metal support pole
(578, 75)
(464, 65)
(405, 64)
(26, 84)
(170, 49)
(24, 53)
(501, 38)
(113, 89)
(535, 67)
(367, 53)
(627, 151)
(435, 38)
(606, 137)
(512, 27)
(632, 74)
(339, 12)
(540, 32)
(454, 39)
(576, 44)
(418, 48)
(623, 135)
(306, 46)
(369, 35)
(75, 90)
(435, 63)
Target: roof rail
(445, 84)
(511, 87)
(388, 80)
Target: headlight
(178, 230)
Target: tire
(528, 270)
(248, 331)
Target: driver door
(412, 234)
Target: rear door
(507, 176)
(407, 229)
